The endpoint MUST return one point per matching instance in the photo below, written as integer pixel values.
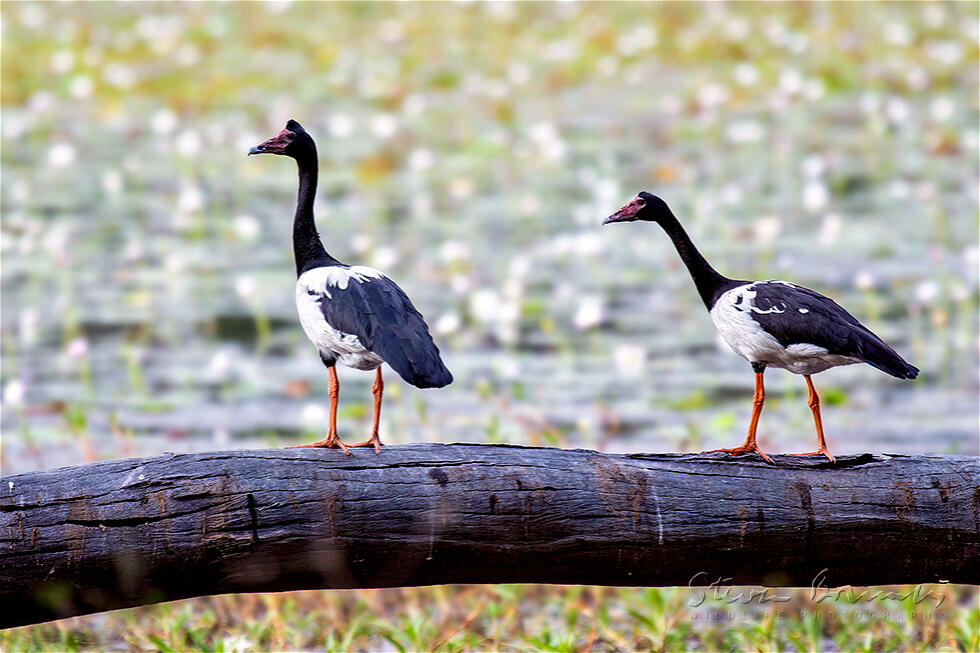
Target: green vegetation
(540, 618)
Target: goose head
(292, 141)
(645, 206)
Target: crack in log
(254, 515)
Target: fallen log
(129, 532)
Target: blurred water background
(470, 150)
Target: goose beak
(628, 212)
(275, 145)
(625, 214)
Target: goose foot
(329, 442)
(743, 449)
(374, 441)
(822, 451)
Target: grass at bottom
(533, 617)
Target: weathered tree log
(128, 532)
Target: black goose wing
(793, 314)
(365, 303)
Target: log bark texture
(128, 532)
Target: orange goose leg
(332, 441)
(814, 402)
(377, 390)
(757, 399)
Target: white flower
(671, 104)
(391, 30)
(607, 65)
(174, 262)
(27, 326)
(421, 159)
(384, 126)
(746, 74)
(360, 243)
(933, 14)
(341, 125)
(507, 367)
(736, 28)
(630, 360)
(414, 104)
(220, 364)
(240, 644)
(945, 52)
(454, 250)
(188, 143)
(276, 7)
(31, 16)
(731, 194)
(897, 33)
(119, 75)
(62, 61)
(814, 166)
(461, 187)
(13, 126)
(814, 89)
(164, 121)
(41, 102)
(917, 78)
(790, 81)
(246, 286)
(81, 87)
(187, 55)
(942, 109)
(863, 280)
(484, 305)
(13, 393)
(712, 95)
(926, 291)
(897, 110)
(830, 229)
(561, 50)
(590, 312)
(246, 227)
(744, 131)
(448, 323)
(815, 195)
(77, 347)
(190, 199)
(221, 437)
(766, 229)
(61, 155)
(518, 73)
(384, 257)
(313, 414)
(642, 37)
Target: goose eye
(641, 202)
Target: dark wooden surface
(128, 532)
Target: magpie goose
(772, 323)
(352, 314)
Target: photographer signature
(721, 590)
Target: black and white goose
(353, 314)
(772, 323)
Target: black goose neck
(307, 247)
(709, 283)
